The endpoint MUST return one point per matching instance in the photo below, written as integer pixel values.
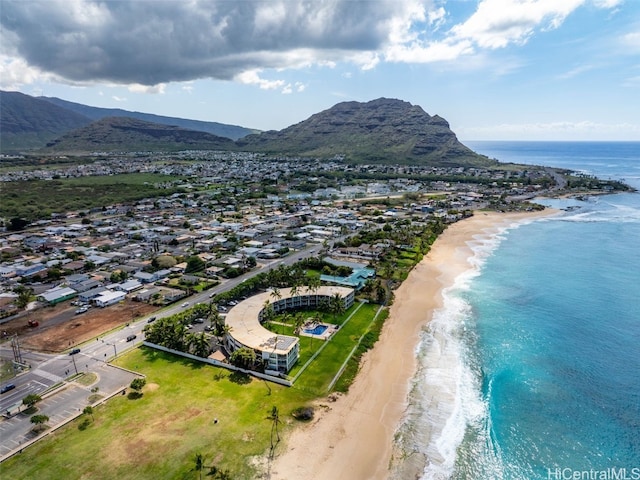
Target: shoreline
(353, 437)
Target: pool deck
(331, 329)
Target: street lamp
(115, 353)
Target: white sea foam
(613, 213)
(446, 396)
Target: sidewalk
(61, 406)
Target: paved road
(62, 406)
(50, 370)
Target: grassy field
(36, 199)
(159, 434)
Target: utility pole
(73, 357)
(15, 346)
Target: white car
(185, 304)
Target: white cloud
(137, 88)
(576, 71)
(607, 3)
(87, 42)
(631, 42)
(15, 72)
(436, 17)
(433, 52)
(498, 23)
(118, 99)
(252, 77)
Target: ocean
(531, 370)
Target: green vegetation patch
(37, 199)
(159, 434)
(318, 376)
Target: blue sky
(495, 69)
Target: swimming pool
(318, 330)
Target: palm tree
(298, 322)
(295, 288)
(199, 459)
(275, 418)
(189, 341)
(268, 313)
(336, 305)
(201, 345)
(286, 316)
(24, 296)
(313, 284)
(275, 293)
(225, 331)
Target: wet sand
(354, 437)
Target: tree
(313, 284)
(243, 357)
(30, 400)
(298, 322)
(88, 410)
(137, 384)
(200, 344)
(274, 416)
(199, 460)
(268, 313)
(194, 264)
(39, 421)
(275, 293)
(336, 305)
(16, 224)
(24, 296)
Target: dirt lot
(60, 328)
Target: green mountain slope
(26, 122)
(384, 130)
(115, 134)
(95, 113)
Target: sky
(494, 69)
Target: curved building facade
(278, 352)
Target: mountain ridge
(383, 130)
(233, 132)
(369, 131)
(132, 134)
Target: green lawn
(158, 435)
(317, 377)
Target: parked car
(198, 320)
(6, 388)
(74, 351)
(82, 310)
(131, 338)
(151, 319)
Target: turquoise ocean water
(531, 370)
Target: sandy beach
(353, 436)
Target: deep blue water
(543, 338)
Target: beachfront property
(279, 352)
